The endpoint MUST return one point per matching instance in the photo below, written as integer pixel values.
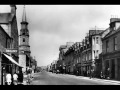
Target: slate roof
(62, 47)
(112, 32)
(6, 17)
(94, 32)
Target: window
(97, 41)
(107, 45)
(115, 43)
(93, 40)
(23, 39)
(94, 53)
(23, 33)
(6, 42)
(97, 53)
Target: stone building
(67, 59)
(111, 50)
(24, 47)
(91, 48)
(4, 43)
(9, 42)
(33, 64)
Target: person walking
(91, 73)
(8, 79)
(15, 78)
(28, 77)
(108, 73)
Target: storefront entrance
(112, 69)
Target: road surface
(48, 78)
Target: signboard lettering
(11, 50)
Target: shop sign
(11, 50)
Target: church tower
(24, 47)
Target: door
(113, 69)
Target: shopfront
(9, 65)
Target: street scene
(59, 44)
(48, 78)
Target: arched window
(23, 39)
(23, 33)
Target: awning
(12, 60)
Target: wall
(111, 43)
(22, 61)
(14, 33)
(4, 38)
(2, 49)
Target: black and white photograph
(59, 44)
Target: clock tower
(24, 47)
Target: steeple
(24, 20)
(24, 15)
(24, 23)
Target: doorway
(112, 69)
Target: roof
(94, 32)
(6, 17)
(114, 20)
(65, 50)
(62, 47)
(112, 32)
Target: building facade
(111, 49)
(9, 42)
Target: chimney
(13, 9)
(114, 23)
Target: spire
(24, 15)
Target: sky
(53, 25)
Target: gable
(6, 17)
(94, 32)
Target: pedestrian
(101, 75)
(8, 79)
(20, 77)
(91, 73)
(28, 77)
(108, 73)
(15, 78)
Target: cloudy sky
(53, 25)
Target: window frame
(107, 45)
(115, 43)
(97, 40)
(23, 39)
